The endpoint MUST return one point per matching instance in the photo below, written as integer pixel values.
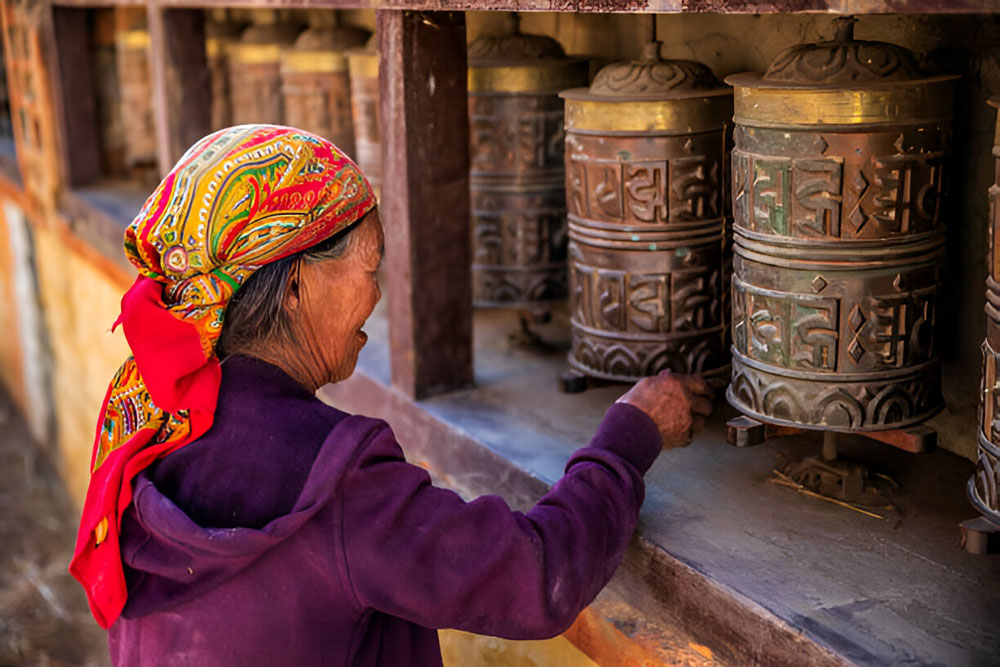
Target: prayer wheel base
(859, 404)
(744, 431)
(980, 537)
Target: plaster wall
(11, 359)
(462, 648)
(80, 300)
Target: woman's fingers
(701, 406)
(697, 423)
(698, 386)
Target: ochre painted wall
(11, 361)
(460, 649)
(80, 297)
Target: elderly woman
(233, 518)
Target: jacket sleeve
(423, 554)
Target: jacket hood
(172, 559)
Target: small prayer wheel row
(322, 79)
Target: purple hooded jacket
(295, 534)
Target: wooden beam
(425, 199)
(603, 6)
(182, 94)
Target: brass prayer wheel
(645, 192)
(837, 180)
(516, 175)
(255, 69)
(316, 84)
(984, 486)
(135, 76)
(363, 66)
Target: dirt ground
(44, 618)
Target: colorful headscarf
(238, 199)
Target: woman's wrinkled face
(336, 298)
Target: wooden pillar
(71, 27)
(425, 199)
(182, 92)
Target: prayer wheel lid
(266, 29)
(515, 48)
(651, 78)
(369, 49)
(841, 82)
(519, 63)
(331, 38)
(223, 29)
(842, 61)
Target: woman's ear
(293, 286)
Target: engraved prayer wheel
(255, 69)
(645, 192)
(316, 84)
(516, 175)
(838, 240)
(984, 486)
(135, 77)
(363, 66)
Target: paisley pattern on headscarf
(238, 199)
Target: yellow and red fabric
(238, 199)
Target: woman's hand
(677, 404)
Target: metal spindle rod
(829, 445)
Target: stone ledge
(753, 572)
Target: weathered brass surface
(984, 487)
(255, 70)
(134, 39)
(314, 62)
(838, 240)
(809, 107)
(543, 77)
(517, 174)
(316, 84)
(700, 113)
(363, 66)
(645, 184)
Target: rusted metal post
(425, 199)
